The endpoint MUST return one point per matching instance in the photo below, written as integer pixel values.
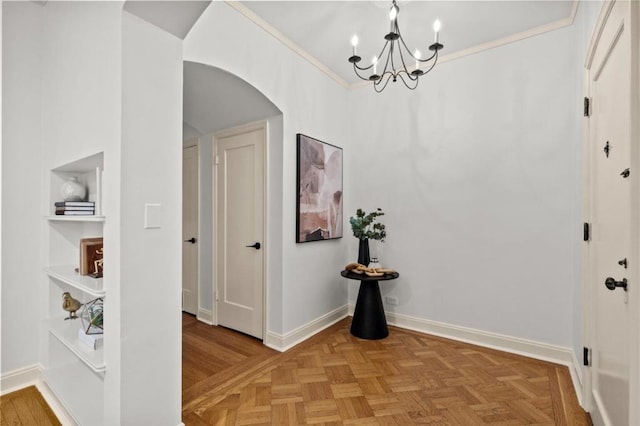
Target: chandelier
(396, 52)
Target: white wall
(311, 103)
(477, 172)
(81, 79)
(150, 258)
(189, 132)
(64, 64)
(21, 183)
(81, 112)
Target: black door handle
(192, 240)
(255, 246)
(612, 284)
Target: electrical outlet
(391, 300)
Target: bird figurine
(70, 305)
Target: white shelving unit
(67, 383)
(76, 218)
(74, 372)
(84, 283)
(67, 333)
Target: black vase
(363, 252)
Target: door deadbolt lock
(612, 284)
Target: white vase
(73, 190)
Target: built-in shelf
(84, 283)
(75, 372)
(61, 218)
(66, 331)
(71, 386)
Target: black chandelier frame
(394, 42)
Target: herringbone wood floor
(335, 378)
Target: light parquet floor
(407, 378)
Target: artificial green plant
(364, 225)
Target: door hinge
(625, 173)
(586, 231)
(217, 160)
(586, 356)
(587, 107)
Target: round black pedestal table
(369, 321)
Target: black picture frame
(319, 190)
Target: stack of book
(75, 208)
(90, 341)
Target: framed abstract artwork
(319, 190)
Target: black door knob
(612, 284)
(191, 240)
(255, 246)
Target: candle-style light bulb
(393, 14)
(436, 28)
(417, 56)
(375, 64)
(354, 43)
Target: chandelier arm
(433, 64)
(411, 54)
(405, 45)
(362, 68)
(404, 66)
(433, 55)
(377, 83)
(388, 55)
(386, 64)
(355, 69)
(416, 80)
(371, 66)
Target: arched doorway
(215, 100)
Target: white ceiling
(324, 28)
(176, 17)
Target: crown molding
(270, 29)
(536, 31)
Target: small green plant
(363, 225)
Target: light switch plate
(152, 216)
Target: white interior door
(610, 251)
(239, 254)
(190, 230)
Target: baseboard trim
(205, 316)
(20, 378)
(575, 369)
(58, 408)
(283, 342)
(32, 376)
(515, 345)
(529, 348)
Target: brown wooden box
(88, 254)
